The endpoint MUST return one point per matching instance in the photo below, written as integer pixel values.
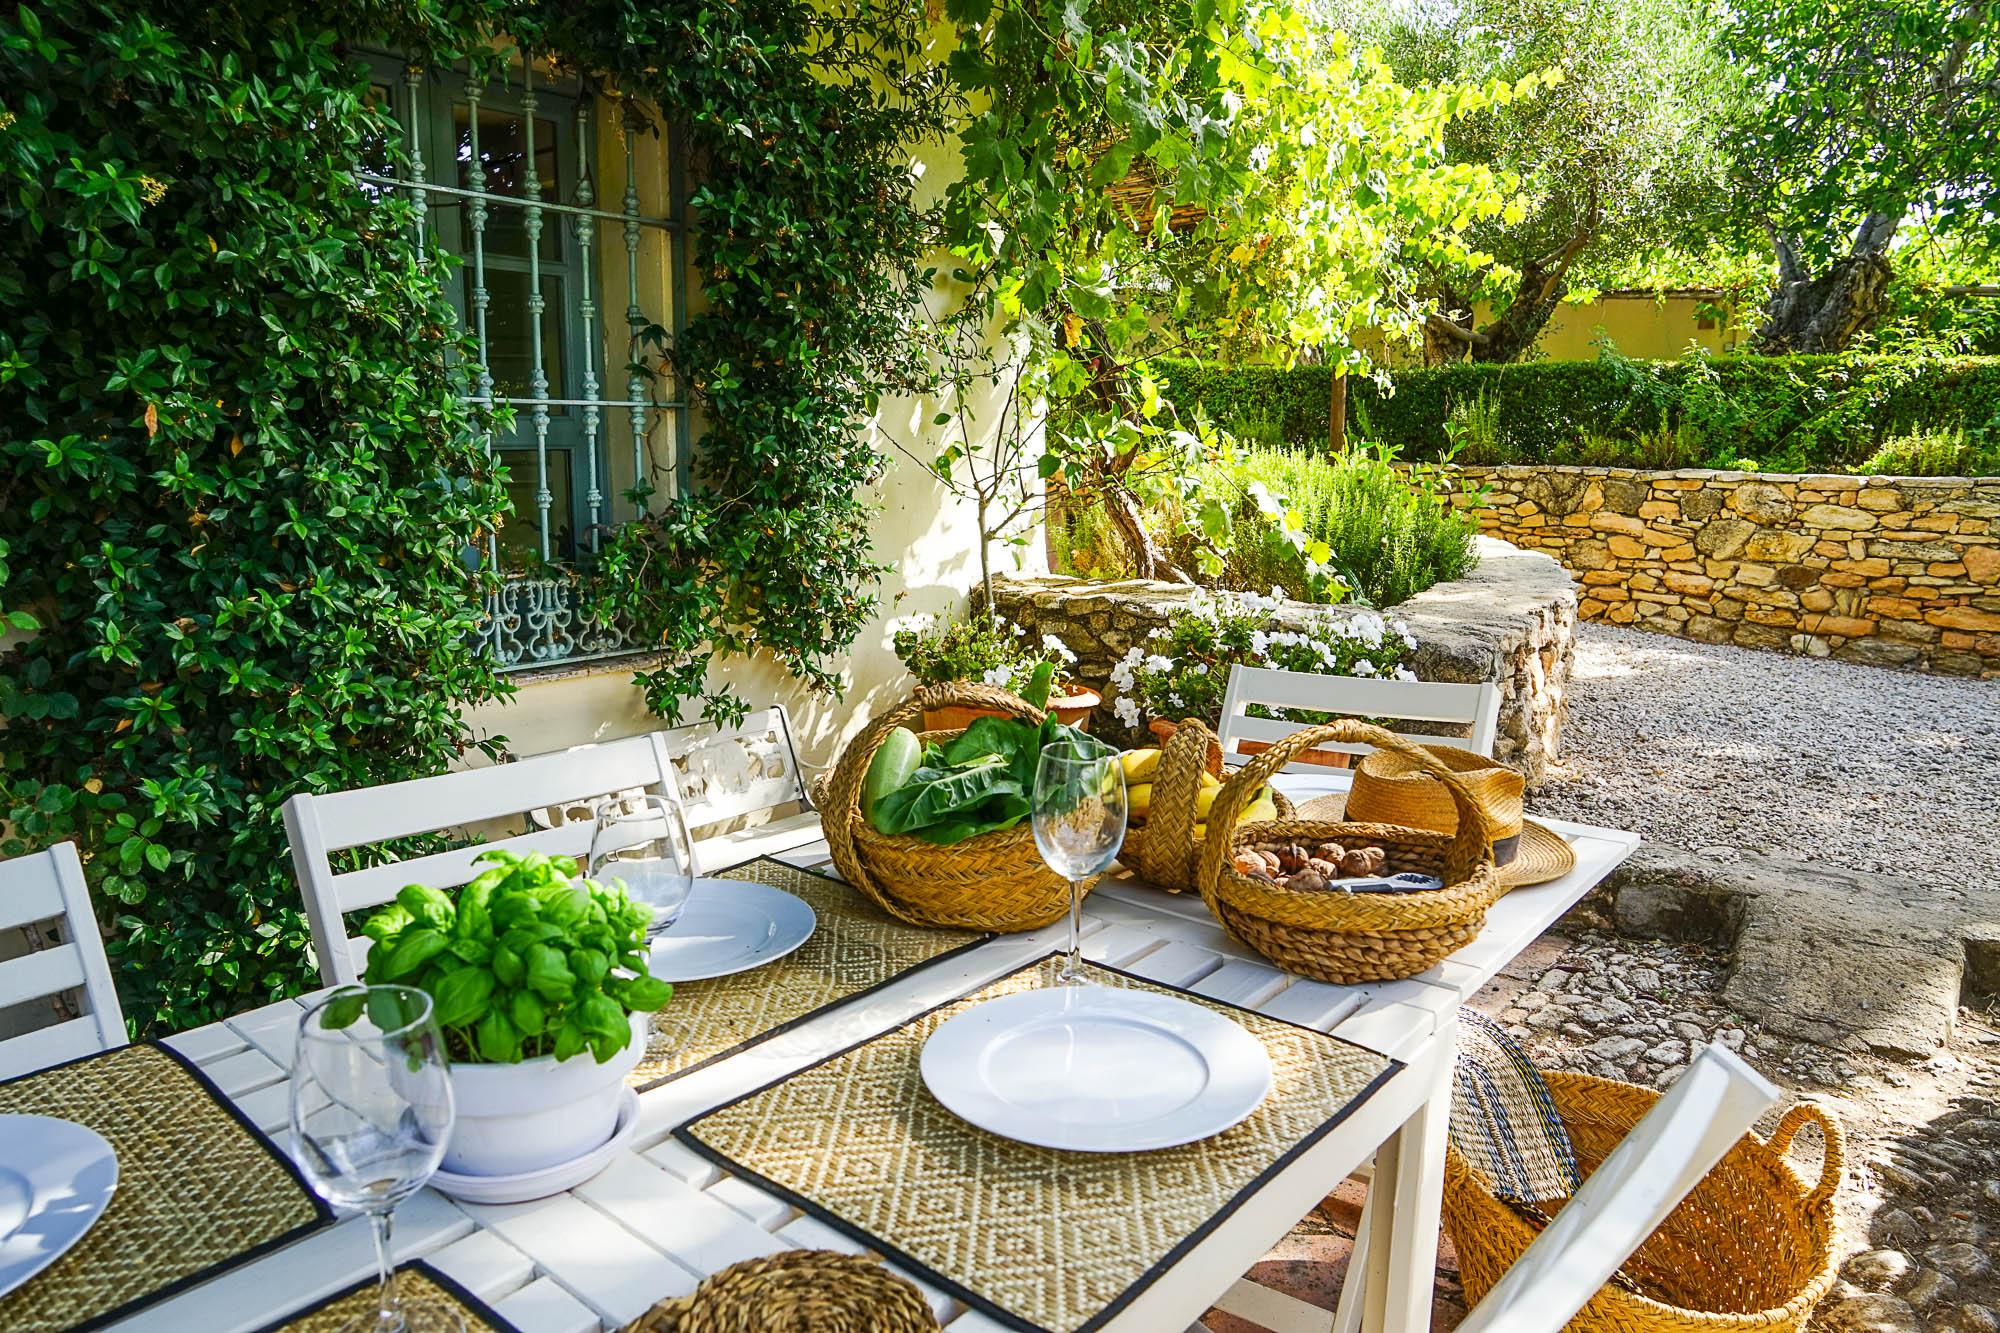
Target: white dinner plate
(1096, 1069)
(56, 1179)
(525, 1185)
(731, 925)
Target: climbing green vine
(238, 478)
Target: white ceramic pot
(539, 1113)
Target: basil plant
(528, 960)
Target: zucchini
(895, 759)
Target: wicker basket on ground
(1753, 1247)
(1350, 937)
(995, 881)
(1164, 851)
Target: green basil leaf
(462, 996)
(548, 972)
(426, 904)
(529, 1013)
(412, 950)
(498, 1040)
(507, 965)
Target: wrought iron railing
(545, 618)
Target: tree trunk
(1511, 333)
(1336, 416)
(1148, 560)
(1824, 312)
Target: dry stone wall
(1512, 621)
(1892, 571)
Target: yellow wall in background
(1652, 328)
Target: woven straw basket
(1754, 1247)
(1164, 851)
(995, 881)
(1350, 937)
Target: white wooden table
(659, 1218)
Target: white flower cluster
(1002, 676)
(1325, 643)
(1058, 647)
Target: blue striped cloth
(1503, 1121)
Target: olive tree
(1620, 155)
(1862, 117)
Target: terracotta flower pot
(1324, 758)
(1072, 710)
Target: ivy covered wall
(237, 478)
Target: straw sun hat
(1391, 789)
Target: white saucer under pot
(526, 1185)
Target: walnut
(1363, 861)
(1327, 869)
(1307, 881)
(1330, 851)
(1249, 863)
(1291, 856)
(1272, 866)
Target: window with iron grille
(513, 177)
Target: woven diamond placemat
(414, 1282)
(199, 1189)
(1039, 1239)
(855, 948)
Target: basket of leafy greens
(934, 827)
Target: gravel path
(1720, 749)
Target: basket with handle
(1350, 937)
(1753, 1247)
(1165, 851)
(993, 881)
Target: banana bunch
(1140, 767)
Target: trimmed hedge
(1790, 414)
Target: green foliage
(1779, 414)
(802, 117)
(1388, 532)
(1937, 453)
(983, 648)
(240, 484)
(237, 479)
(1619, 157)
(526, 961)
(1856, 108)
(1219, 175)
(1184, 670)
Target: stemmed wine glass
(371, 1116)
(1079, 819)
(643, 842)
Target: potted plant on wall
(990, 651)
(541, 991)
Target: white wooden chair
(1705, 1112)
(1475, 707)
(721, 775)
(49, 885)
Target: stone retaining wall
(1512, 620)
(1892, 571)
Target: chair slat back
(49, 885)
(551, 794)
(1699, 1119)
(1473, 706)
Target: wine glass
(371, 1115)
(1079, 818)
(644, 843)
